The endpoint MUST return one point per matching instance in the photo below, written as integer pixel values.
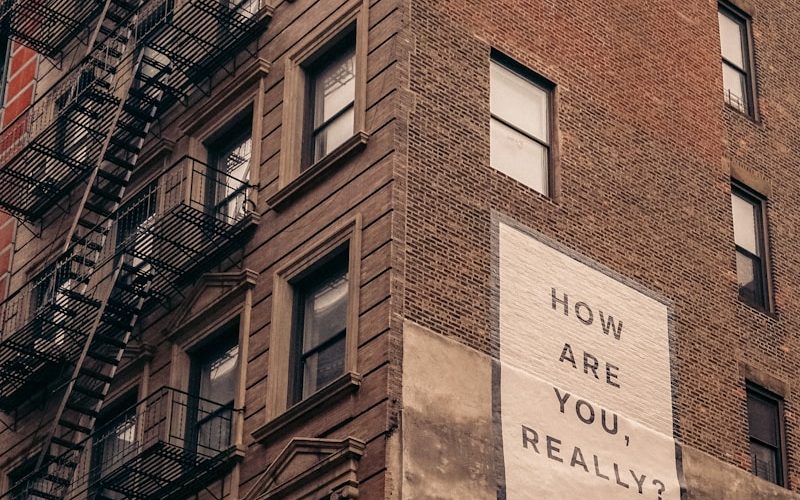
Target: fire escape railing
(176, 223)
(68, 328)
(48, 26)
(163, 447)
(47, 150)
(181, 220)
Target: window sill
(730, 108)
(336, 390)
(761, 310)
(316, 171)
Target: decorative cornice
(335, 470)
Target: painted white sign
(585, 401)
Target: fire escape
(69, 326)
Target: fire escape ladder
(124, 292)
(106, 187)
(128, 289)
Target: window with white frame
(520, 128)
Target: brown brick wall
(643, 187)
(362, 185)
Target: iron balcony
(169, 445)
(174, 227)
(47, 151)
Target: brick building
(399, 249)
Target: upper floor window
(320, 326)
(230, 156)
(331, 101)
(765, 422)
(749, 235)
(520, 128)
(114, 442)
(737, 72)
(213, 383)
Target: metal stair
(91, 379)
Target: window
(213, 383)
(313, 343)
(765, 420)
(19, 480)
(115, 441)
(737, 75)
(324, 102)
(749, 235)
(320, 325)
(50, 304)
(331, 101)
(230, 159)
(520, 127)
(136, 216)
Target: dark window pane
(321, 327)
(763, 419)
(748, 273)
(232, 161)
(218, 376)
(765, 463)
(764, 422)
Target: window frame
(113, 410)
(236, 129)
(744, 20)
(347, 237)
(549, 88)
(223, 339)
(296, 172)
(320, 271)
(754, 390)
(759, 202)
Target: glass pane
(518, 102)
(748, 273)
(324, 366)
(518, 157)
(325, 313)
(218, 376)
(118, 445)
(733, 83)
(334, 88)
(765, 462)
(334, 134)
(234, 162)
(762, 416)
(214, 431)
(745, 228)
(731, 34)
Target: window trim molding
(750, 194)
(765, 393)
(281, 328)
(745, 18)
(232, 299)
(295, 86)
(551, 88)
(245, 94)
